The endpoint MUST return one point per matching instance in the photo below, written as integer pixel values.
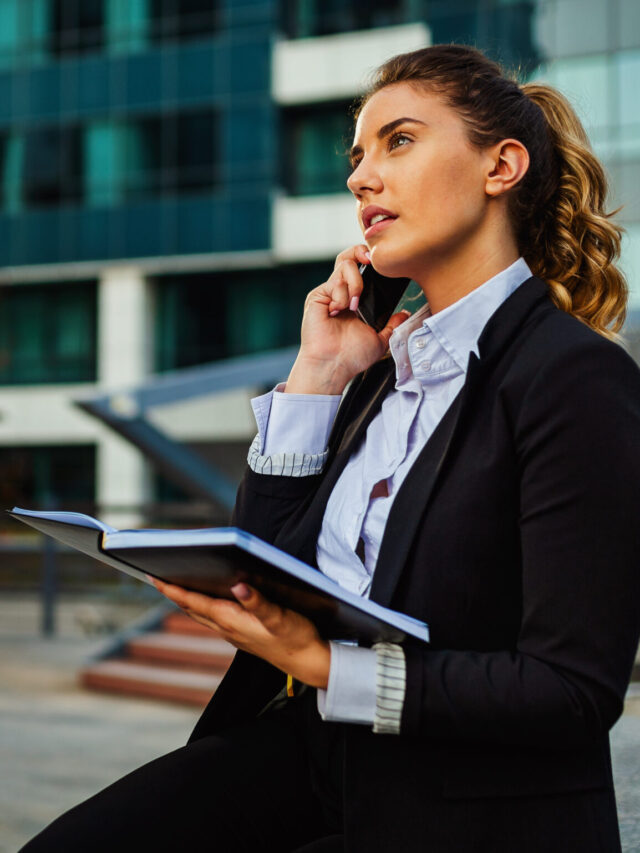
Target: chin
(389, 266)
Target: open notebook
(212, 560)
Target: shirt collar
(458, 327)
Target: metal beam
(124, 411)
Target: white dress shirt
(431, 353)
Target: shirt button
(425, 365)
(420, 344)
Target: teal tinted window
(48, 333)
(168, 154)
(322, 17)
(52, 166)
(502, 28)
(77, 26)
(316, 141)
(48, 475)
(205, 317)
(106, 163)
(182, 19)
(25, 29)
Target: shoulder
(568, 385)
(555, 347)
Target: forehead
(408, 100)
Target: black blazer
(516, 536)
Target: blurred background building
(172, 183)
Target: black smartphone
(379, 297)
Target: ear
(509, 161)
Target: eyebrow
(385, 130)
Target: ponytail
(558, 209)
(575, 245)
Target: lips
(372, 215)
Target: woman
(485, 478)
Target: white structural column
(124, 346)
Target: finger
(359, 253)
(267, 612)
(194, 602)
(351, 274)
(394, 321)
(338, 291)
(207, 623)
(345, 287)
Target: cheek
(462, 192)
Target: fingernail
(334, 313)
(241, 591)
(367, 255)
(404, 311)
(353, 305)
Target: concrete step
(182, 649)
(176, 684)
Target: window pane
(627, 88)
(315, 149)
(586, 83)
(52, 166)
(150, 156)
(321, 17)
(77, 26)
(205, 317)
(9, 32)
(41, 476)
(48, 333)
(11, 171)
(195, 155)
(127, 25)
(182, 19)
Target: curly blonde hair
(558, 209)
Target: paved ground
(59, 743)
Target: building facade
(172, 183)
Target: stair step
(180, 623)
(178, 685)
(201, 651)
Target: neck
(447, 279)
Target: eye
(354, 162)
(398, 140)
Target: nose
(365, 177)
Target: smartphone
(379, 297)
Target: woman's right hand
(335, 344)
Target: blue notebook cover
(212, 560)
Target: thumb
(267, 612)
(394, 321)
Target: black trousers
(271, 785)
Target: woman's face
(414, 165)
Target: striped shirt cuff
(285, 464)
(391, 679)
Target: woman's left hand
(280, 636)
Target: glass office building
(172, 184)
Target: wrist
(311, 377)
(313, 669)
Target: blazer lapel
(416, 491)
(418, 487)
(373, 390)
(356, 412)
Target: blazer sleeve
(265, 503)
(577, 442)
